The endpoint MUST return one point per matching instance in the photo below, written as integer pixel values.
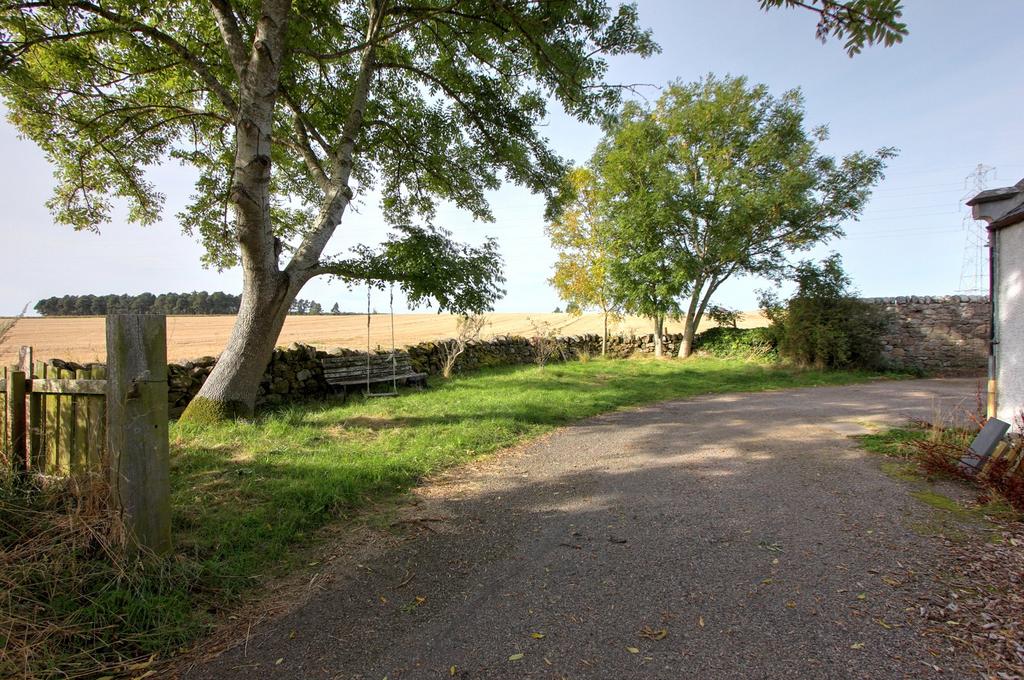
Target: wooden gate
(59, 419)
(65, 412)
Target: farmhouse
(1003, 210)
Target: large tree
(288, 111)
(718, 179)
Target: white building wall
(1010, 324)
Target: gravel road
(730, 536)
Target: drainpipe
(993, 269)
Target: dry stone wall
(941, 335)
(297, 373)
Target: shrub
(468, 330)
(545, 342)
(824, 325)
(723, 341)
(723, 316)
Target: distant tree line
(196, 302)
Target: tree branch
(227, 22)
(305, 149)
(307, 255)
(186, 55)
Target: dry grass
(82, 338)
(56, 538)
(978, 614)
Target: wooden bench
(345, 371)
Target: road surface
(730, 536)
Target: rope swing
(394, 362)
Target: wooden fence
(57, 421)
(65, 414)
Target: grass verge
(974, 618)
(249, 497)
(911, 457)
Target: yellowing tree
(577, 234)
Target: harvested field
(82, 338)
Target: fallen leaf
(632, 650)
(291, 635)
(537, 636)
(653, 633)
(452, 671)
(279, 661)
(516, 657)
(791, 605)
(862, 596)
(857, 645)
(700, 622)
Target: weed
(545, 342)
(7, 325)
(468, 330)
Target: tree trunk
(690, 323)
(230, 390)
(604, 338)
(659, 325)
(689, 330)
(698, 305)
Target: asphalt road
(731, 536)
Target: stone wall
(509, 350)
(297, 373)
(940, 335)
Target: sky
(948, 98)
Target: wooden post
(16, 418)
(80, 407)
(65, 433)
(25, 360)
(97, 423)
(52, 441)
(26, 364)
(35, 422)
(137, 443)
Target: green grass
(244, 493)
(896, 442)
(950, 518)
(249, 497)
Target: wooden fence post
(26, 364)
(25, 360)
(16, 418)
(137, 443)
